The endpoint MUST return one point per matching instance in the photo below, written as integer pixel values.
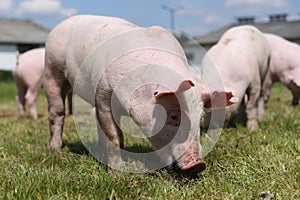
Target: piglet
(118, 68)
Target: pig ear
(161, 90)
(218, 99)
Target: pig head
(144, 70)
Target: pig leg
(111, 130)
(70, 103)
(264, 96)
(295, 92)
(31, 96)
(295, 100)
(252, 106)
(56, 88)
(21, 103)
(20, 98)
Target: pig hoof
(53, 147)
(295, 103)
(252, 126)
(261, 117)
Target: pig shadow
(136, 148)
(238, 119)
(167, 173)
(80, 148)
(76, 148)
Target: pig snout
(194, 167)
(190, 163)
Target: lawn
(241, 166)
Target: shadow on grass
(7, 115)
(79, 148)
(238, 119)
(167, 172)
(76, 148)
(137, 148)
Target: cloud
(43, 8)
(6, 5)
(271, 3)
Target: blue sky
(194, 17)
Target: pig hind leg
(70, 103)
(253, 93)
(56, 87)
(20, 98)
(31, 96)
(264, 96)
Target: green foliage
(6, 75)
(242, 165)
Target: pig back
(250, 42)
(84, 47)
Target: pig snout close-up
(143, 70)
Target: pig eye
(155, 93)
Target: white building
(21, 35)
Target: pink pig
(115, 65)
(241, 60)
(284, 66)
(28, 78)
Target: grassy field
(241, 166)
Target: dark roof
(287, 29)
(22, 31)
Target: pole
(172, 15)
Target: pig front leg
(56, 88)
(111, 130)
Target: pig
(241, 59)
(107, 60)
(28, 79)
(284, 66)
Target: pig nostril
(174, 117)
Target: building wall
(194, 55)
(7, 56)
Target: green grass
(242, 164)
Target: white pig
(108, 59)
(284, 66)
(28, 78)
(241, 59)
